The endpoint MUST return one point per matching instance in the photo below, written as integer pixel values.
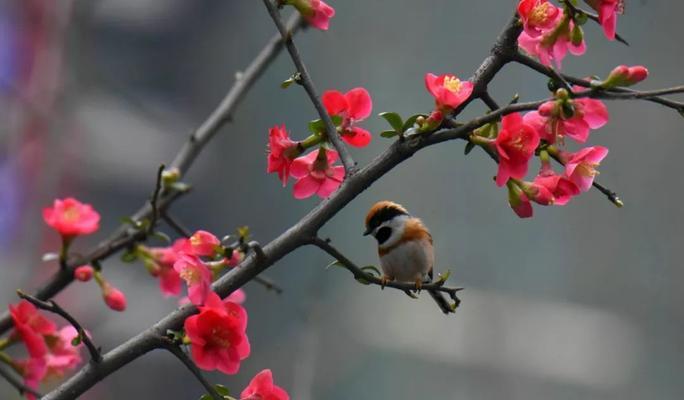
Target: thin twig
(176, 225)
(21, 388)
(541, 68)
(55, 308)
(360, 274)
(190, 365)
(155, 199)
(345, 156)
(489, 101)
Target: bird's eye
(383, 234)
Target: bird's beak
(367, 232)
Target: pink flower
(561, 188)
(196, 275)
(623, 75)
(580, 167)
(113, 297)
(281, 151)
(553, 44)
(515, 145)
(201, 244)
(316, 12)
(63, 356)
(84, 273)
(449, 91)
(31, 326)
(608, 11)
(217, 335)
(537, 16)
(71, 218)
(316, 174)
(551, 123)
(261, 387)
(238, 297)
(353, 106)
(163, 258)
(33, 370)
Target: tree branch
(21, 388)
(190, 365)
(55, 308)
(360, 274)
(345, 156)
(655, 98)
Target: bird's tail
(442, 302)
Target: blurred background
(580, 302)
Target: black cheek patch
(383, 234)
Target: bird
(405, 247)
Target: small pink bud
(115, 298)
(547, 109)
(84, 273)
(623, 75)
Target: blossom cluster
(550, 32)
(316, 172)
(52, 351)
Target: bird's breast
(407, 261)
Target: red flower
(449, 91)
(608, 11)
(551, 123)
(562, 188)
(196, 275)
(113, 297)
(580, 167)
(281, 151)
(201, 244)
(217, 335)
(316, 174)
(316, 12)
(33, 370)
(537, 16)
(553, 43)
(261, 387)
(63, 355)
(84, 273)
(163, 259)
(71, 218)
(30, 326)
(515, 145)
(353, 106)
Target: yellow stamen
(540, 13)
(452, 84)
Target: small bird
(404, 246)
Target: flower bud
(519, 201)
(84, 273)
(113, 297)
(623, 75)
(577, 35)
(170, 176)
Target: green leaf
(362, 281)
(408, 124)
(243, 232)
(336, 120)
(468, 148)
(76, 341)
(49, 257)
(389, 134)
(222, 390)
(130, 221)
(371, 268)
(161, 236)
(206, 397)
(317, 126)
(129, 256)
(335, 263)
(394, 120)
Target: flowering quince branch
(124, 236)
(155, 199)
(550, 33)
(53, 307)
(305, 80)
(21, 388)
(174, 349)
(367, 278)
(577, 12)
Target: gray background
(582, 301)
